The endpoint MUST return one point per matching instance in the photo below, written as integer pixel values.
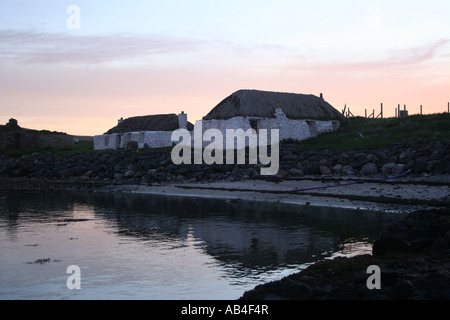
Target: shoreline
(404, 195)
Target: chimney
(321, 96)
(119, 121)
(182, 120)
(13, 123)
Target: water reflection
(178, 245)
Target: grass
(355, 133)
(81, 146)
(358, 133)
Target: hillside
(358, 133)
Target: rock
(347, 170)
(156, 165)
(337, 168)
(360, 155)
(325, 170)
(164, 162)
(431, 164)
(408, 271)
(181, 178)
(420, 166)
(404, 155)
(281, 174)
(290, 157)
(381, 155)
(442, 167)
(129, 174)
(419, 231)
(436, 154)
(118, 176)
(311, 168)
(372, 158)
(403, 289)
(295, 172)
(388, 168)
(369, 169)
(399, 169)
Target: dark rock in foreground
(413, 256)
(148, 167)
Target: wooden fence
(398, 112)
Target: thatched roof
(255, 103)
(158, 122)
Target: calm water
(147, 247)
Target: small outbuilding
(152, 131)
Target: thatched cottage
(153, 131)
(296, 116)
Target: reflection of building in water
(242, 235)
(256, 245)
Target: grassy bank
(354, 133)
(358, 133)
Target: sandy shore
(402, 195)
(405, 194)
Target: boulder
(118, 176)
(295, 172)
(325, 170)
(337, 168)
(369, 169)
(129, 174)
(388, 168)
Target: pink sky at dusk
(82, 81)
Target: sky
(78, 66)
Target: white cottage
(153, 131)
(296, 116)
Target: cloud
(417, 55)
(395, 59)
(42, 47)
(39, 47)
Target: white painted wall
(154, 139)
(288, 128)
(107, 141)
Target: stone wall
(156, 166)
(29, 139)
